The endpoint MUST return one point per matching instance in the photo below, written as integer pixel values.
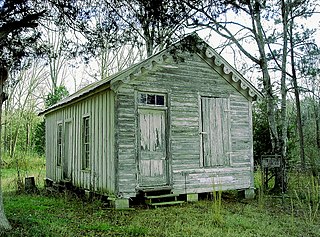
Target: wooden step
(166, 203)
(162, 196)
(155, 189)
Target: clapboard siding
(100, 176)
(184, 83)
(126, 141)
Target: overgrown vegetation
(41, 215)
(21, 166)
(305, 195)
(65, 214)
(217, 208)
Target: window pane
(59, 144)
(142, 98)
(160, 100)
(86, 143)
(151, 99)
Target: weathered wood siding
(100, 176)
(184, 83)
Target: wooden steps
(166, 203)
(162, 196)
(156, 198)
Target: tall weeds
(21, 165)
(307, 199)
(261, 197)
(217, 204)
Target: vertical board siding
(185, 82)
(100, 176)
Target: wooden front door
(67, 151)
(215, 132)
(152, 157)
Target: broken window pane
(142, 98)
(151, 99)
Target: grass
(67, 215)
(41, 215)
(306, 196)
(28, 165)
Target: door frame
(200, 96)
(164, 108)
(67, 150)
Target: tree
(4, 223)
(17, 21)
(307, 66)
(301, 45)
(261, 134)
(22, 105)
(21, 108)
(59, 93)
(19, 37)
(151, 23)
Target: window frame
(86, 143)
(59, 143)
(151, 94)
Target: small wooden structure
(180, 121)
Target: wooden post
(30, 184)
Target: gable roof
(191, 42)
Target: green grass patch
(67, 215)
(40, 215)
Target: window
(59, 144)
(151, 99)
(85, 143)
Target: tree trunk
(271, 107)
(280, 184)
(278, 145)
(4, 223)
(316, 109)
(5, 135)
(297, 99)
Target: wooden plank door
(215, 131)
(67, 157)
(152, 157)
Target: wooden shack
(180, 120)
